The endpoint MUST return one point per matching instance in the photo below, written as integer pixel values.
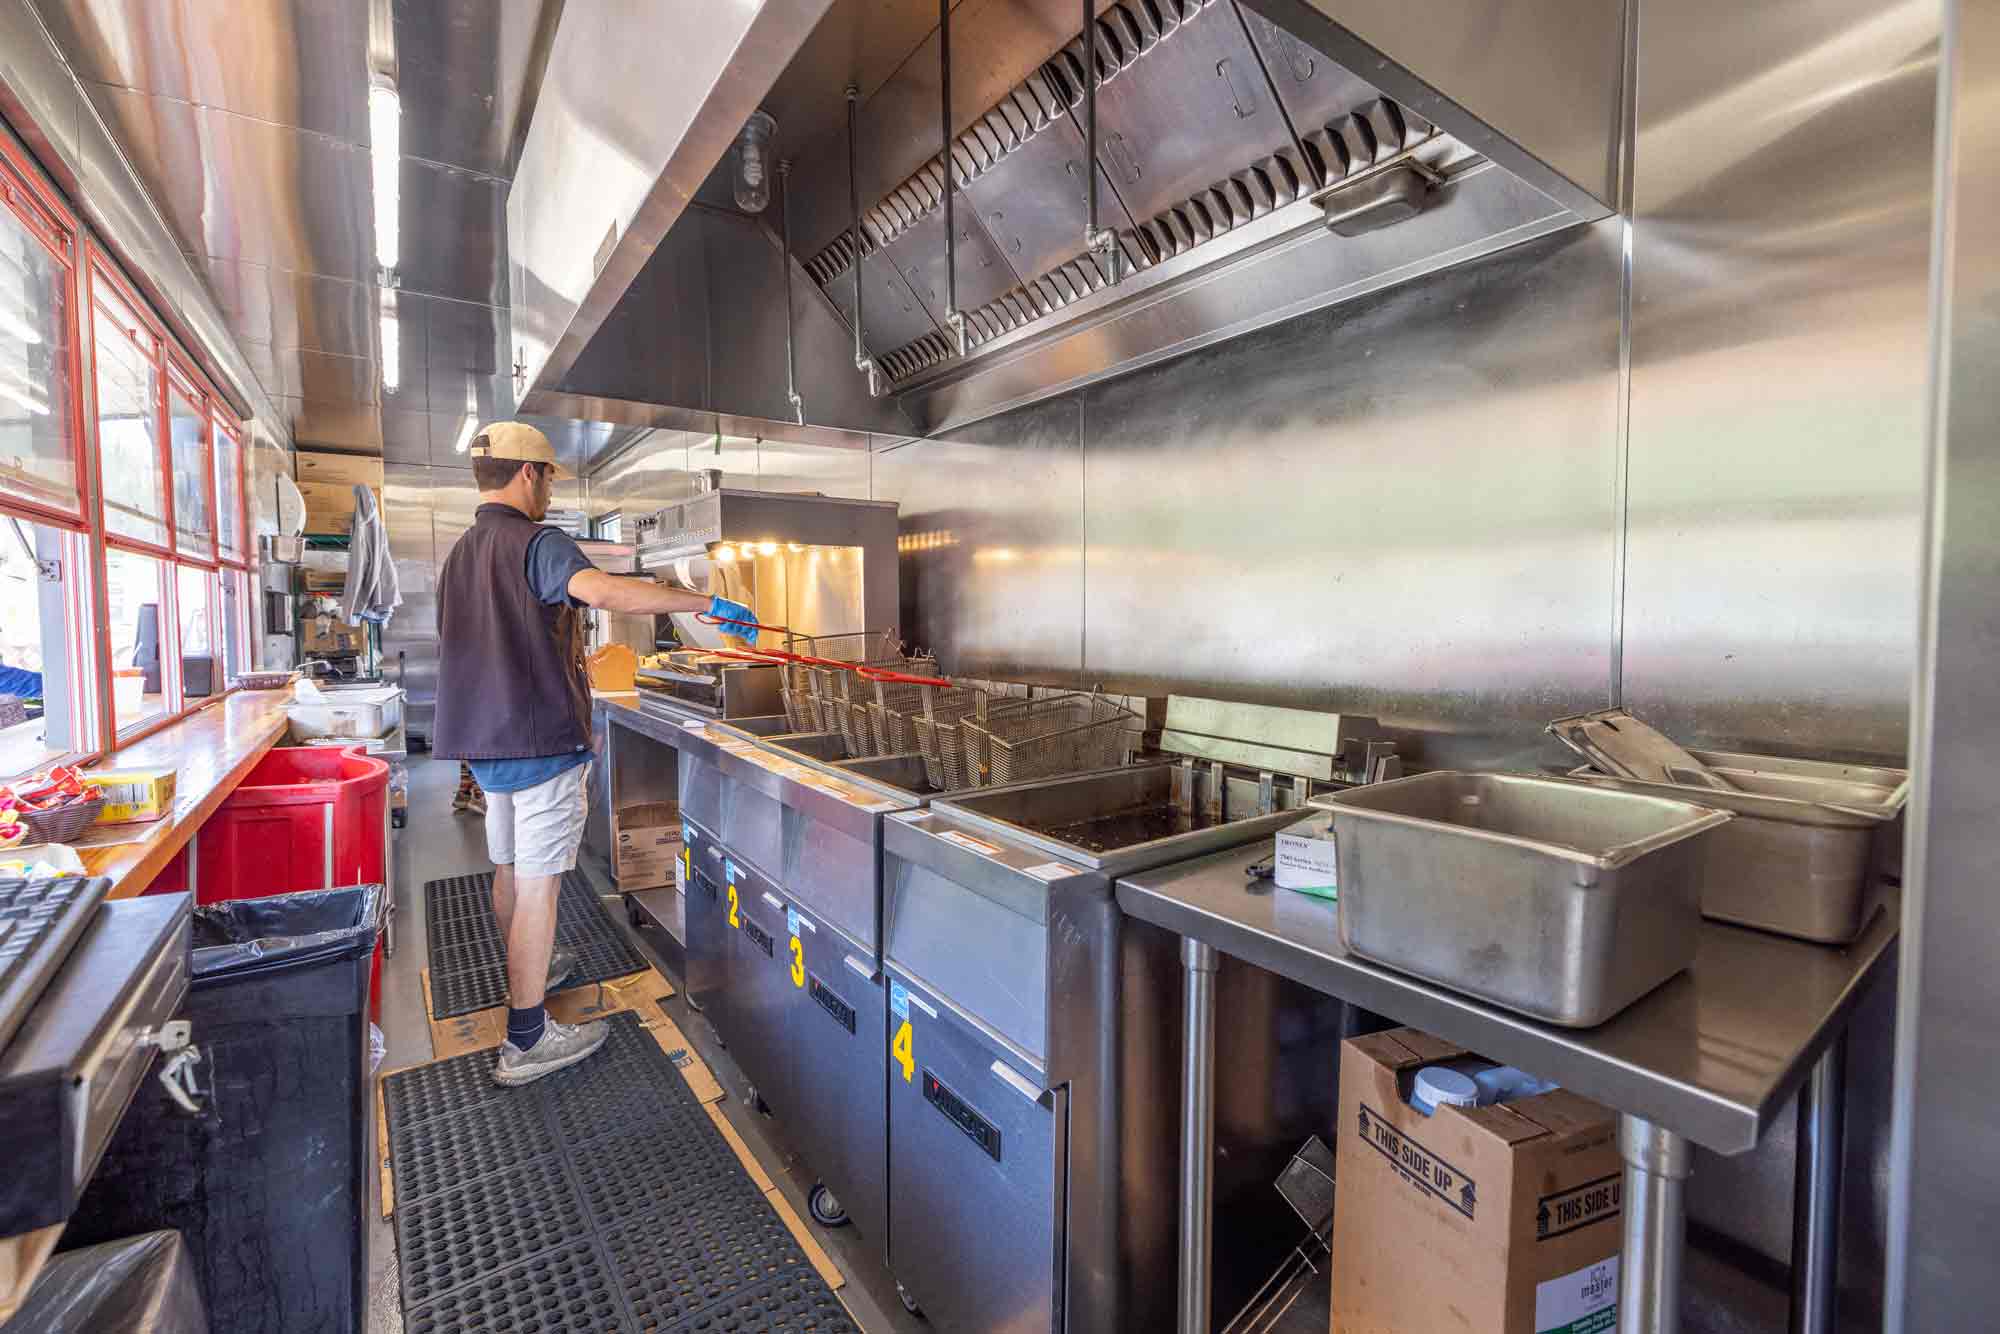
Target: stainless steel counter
(1711, 1057)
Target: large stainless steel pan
(1562, 901)
(1809, 840)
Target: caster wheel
(909, 1302)
(825, 1207)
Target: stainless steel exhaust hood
(1256, 159)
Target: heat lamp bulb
(753, 162)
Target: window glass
(611, 527)
(229, 492)
(133, 589)
(40, 707)
(194, 505)
(235, 586)
(128, 429)
(199, 668)
(37, 452)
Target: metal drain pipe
(1096, 240)
(952, 318)
(862, 361)
(785, 243)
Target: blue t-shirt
(553, 560)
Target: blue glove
(736, 618)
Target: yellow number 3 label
(903, 1048)
(732, 907)
(798, 963)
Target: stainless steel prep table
(1709, 1058)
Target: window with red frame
(231, 527)
(130, 394)
(47, 676)
(38, 428)
(137, 613)
(193, 470)
(201, 664)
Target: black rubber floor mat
(601, 1197)
(468, 960)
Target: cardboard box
(646, 845)
(330, 506)
(340, 469)
(133, 796)
(325, 634)
(1486, 1220)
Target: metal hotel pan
(1805, 847)
(1561, 900)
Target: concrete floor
(436, 843)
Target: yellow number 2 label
(732, 907)
(903, 1048)
(798, 963)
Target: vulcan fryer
(1033, 1069)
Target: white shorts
(539, 829)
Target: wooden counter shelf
(211, 751)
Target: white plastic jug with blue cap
(1470, 1081)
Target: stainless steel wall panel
(829, 471)
(1778, 373)
(992, 543)
(409, 640)
(1945, 1211)
(1400, 507)
(406, 436)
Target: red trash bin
(304, 817)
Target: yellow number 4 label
(903, 1048)
(732, 907)
(798, 963)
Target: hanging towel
(373, 591)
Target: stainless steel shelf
(1712, 1055)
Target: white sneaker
(560, 1046)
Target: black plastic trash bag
(141, 1285)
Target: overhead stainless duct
(1242, 172)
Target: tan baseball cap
(517, 440)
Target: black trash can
(269, 1184)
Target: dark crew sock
(524, 1027)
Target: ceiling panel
(248, 122)
(288, 62)
(454, 230)
(466, 336)
(330, 378)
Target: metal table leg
(1816, 1192)
(1197, 1134)
(1649, 1277)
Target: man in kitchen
(514, 703)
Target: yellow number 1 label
(732, 907)
(903, 1048)
(798, 963)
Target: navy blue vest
(511, 676)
